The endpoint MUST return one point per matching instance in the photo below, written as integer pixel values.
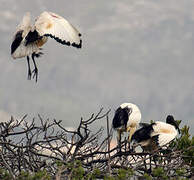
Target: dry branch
(25, 146)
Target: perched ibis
(157, 134)
(126, 119)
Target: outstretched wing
(24, 24)
(21, 31)
(55, 26)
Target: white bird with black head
(29, 39)
(126, 119)
(157, 134)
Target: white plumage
(49, 23)
(166, 132)
(157, 134)
(29, 39)
(126, 119)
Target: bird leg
(131, 131)
(119, 139)
(29, 70)
(35, 71)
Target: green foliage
(4, 174)
(76, 170)
(109, 178)
(40, 175)
(186, 144)
(120, 174)
(152, 121)
(93, 175)
(124, 174)
(180, 172)
(147, 176)
(178, 122)
(43, 175)
(24, 176)
(96, 172)
(59, 163)
(160, 173)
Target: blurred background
(133, 51)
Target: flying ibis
(28, 39)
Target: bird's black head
(170, 120)
(121, 117)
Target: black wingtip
(18, 39)
(64, 42)
(77, 45)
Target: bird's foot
(35, 73)
(37, 55)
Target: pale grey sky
(133, 51)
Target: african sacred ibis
(157, 134)
(29, 39)
(126, 119)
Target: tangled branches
(47, 145)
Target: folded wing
(163, 139)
